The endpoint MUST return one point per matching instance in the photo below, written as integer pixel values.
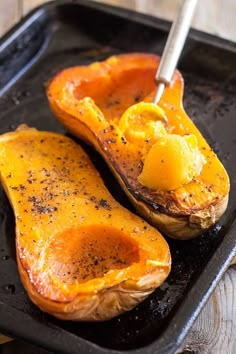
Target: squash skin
(56, 193)
(183, 213)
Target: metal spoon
(174, 46)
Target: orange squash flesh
(81, 255)
(90, 100)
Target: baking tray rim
(188, 309)
(145, 19)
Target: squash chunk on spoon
(80, 254)
(161, 160)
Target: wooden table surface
(214, 331)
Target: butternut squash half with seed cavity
(80, 254)
(159, 157)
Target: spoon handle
(174, 46)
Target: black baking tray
(66, 33)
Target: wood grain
(214, 331)
(10, 13)
(30, 4)
(215, 16)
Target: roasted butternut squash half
(159, 157)
(80, 254)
